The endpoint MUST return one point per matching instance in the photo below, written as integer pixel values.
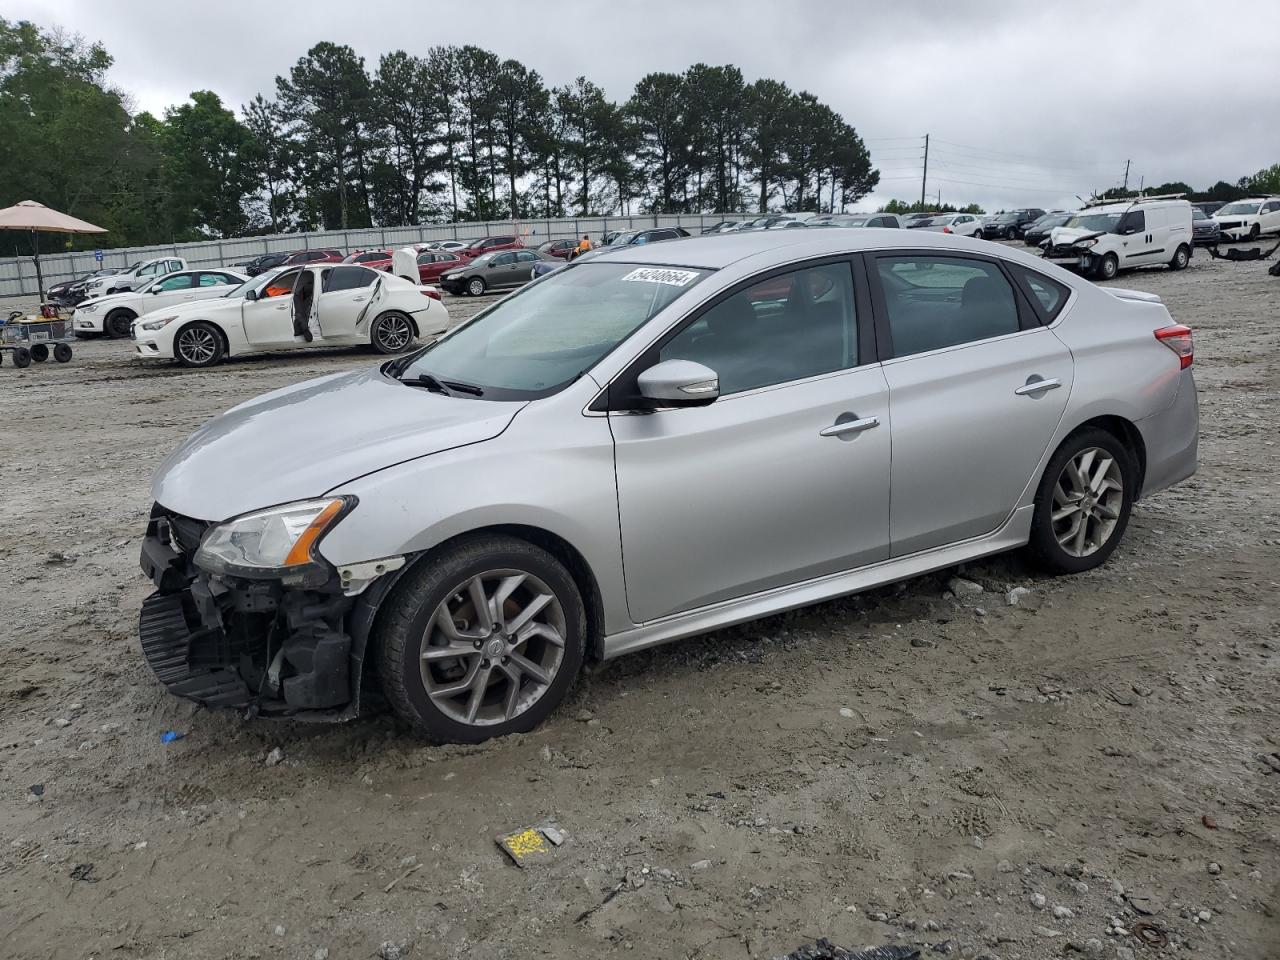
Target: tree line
(456, 134)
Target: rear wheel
(198, 344)
(1107, 267)
(1083, 501)
(475, 286)
(119, 323)
(1181, 257)
(481, 642)
(392, 332)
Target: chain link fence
(18, 274)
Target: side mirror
(251, 295)
(155, 290)
(679, 383)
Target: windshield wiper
(470, 388)
(428, 382)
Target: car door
(1139, 245)
(976, 389)
(501, 271)
(179, 288)
(1271, 217)
(345, 292)
(211, 283)
(268, 321)
(525, 259)
(785, 477)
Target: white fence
(18, 274)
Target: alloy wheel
(394, 333)
(493, 647)
(197, 346)
(1087, 501)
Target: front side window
(180, 282)
(280, 285)
(789, 327)
(1135, 221)
(504, 259)
(347, 278)
(935, 302)
(539, 340)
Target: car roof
(715, 251)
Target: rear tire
(1181, 258)
(119, 323)
(391, 333)
(198, 344)
(1107, 267)
(509, 698)
(1089, 484)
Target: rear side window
(1047, 296)
(789, 327)
(347, 278)
(934, 302)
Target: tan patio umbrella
(29, 215)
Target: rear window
(1047, 296)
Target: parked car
(291, 308)
(720, 227)
(1249, 219)
(961, 224)
(373, 259)
(326, 255)
(1009, 226)
(433, 264)
(132, 276)
(266, 261)
(70, 292)
(114, 313)
(1204, 229)
(467, 550)
(638, 237)
(1037, 232)
(499, 270)
(490, 244)
(561, 249)
(911, 218)
(444, 245)
(1108, 237)
(886, 220)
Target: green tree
(768, 102)
(586, 118)
(408, 112)
(655, 114)
(269, 156)
(1265, 181)
(206, 154)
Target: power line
(1024, 156)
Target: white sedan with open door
(296, 307)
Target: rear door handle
(359, 299)
(849, 426)
(1038, 386)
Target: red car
(315, 256)
(433, 264)
(490, 244)
(373, 259)
(558, 248)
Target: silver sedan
(655, 443)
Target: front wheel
(1082, 504)
(392, 332)
(481, 642)
(119, 324)
(1254, 232)
(1181, 257)
(198, 344)
(1108, 267)
(1011, 233)
(475, 286)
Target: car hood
(1072, 234)
(304, 440)
(106, 300)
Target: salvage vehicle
(494, 271)
(114, 313)
(133, 276)
(1108, 236)
(323, 255)
(70, 292)
(755, 421)
(1249, 219)
(1009, 226)
(291, 308)
(1034, 234)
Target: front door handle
(1038, 386)
(839, 429)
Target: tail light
(946, 229)
(1178, 339)
(431, 292)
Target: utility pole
(924, 177)
(1126, 175)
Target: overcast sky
(1027, 104)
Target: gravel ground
(906, 766)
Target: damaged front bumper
(256, 645)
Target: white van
(1108, 237)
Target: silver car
(658, 442)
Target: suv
(1249, 219)
(133, 276)
(1111, 236)
(1009, 226)
(489, 245)
(326, 255)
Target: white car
(1249, 219)
(961, 224)
(330, 304)
(134, 275)
(113, 314)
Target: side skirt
(1014, 533)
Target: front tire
(481, 642)
(1108, 267)
(198, 344)
(1254, 232)
(1011, 233)
(475, 286)
(1082, 504)
(119, 323)
(1181, 258)
(392, 332)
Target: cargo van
(1106, 237)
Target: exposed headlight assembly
(279, 542)
(1092, 242)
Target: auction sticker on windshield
(674, 278)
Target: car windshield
(622, 239)
(147, 284)
(538, 341)
(483, 258)
(256, 284)
(1096, 222)
(1198, 214)
(1244, 207)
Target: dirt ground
(975, 777)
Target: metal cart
(35, 338)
